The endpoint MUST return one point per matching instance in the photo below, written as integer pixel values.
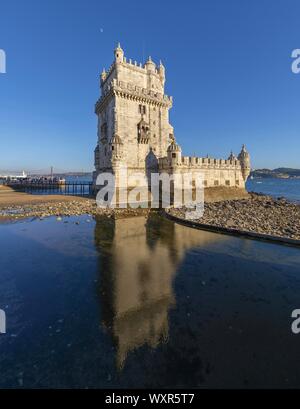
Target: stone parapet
(130, 91)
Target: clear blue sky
(228, 67)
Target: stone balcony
(134, 92)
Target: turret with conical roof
(119, 53)
(162, 73)
(244, 159)
(150, 65)
(232, 157)
(116, 147)
(174, 153)
(103, 75)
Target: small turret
(150, 66)
(244, 159)
(174, 154)
(162, 73)
(232, 157)
(116, 147)
(119, 54)
(103, 75)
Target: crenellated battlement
(149, 67)
(129, 63)
(209, 162)
(203, 163)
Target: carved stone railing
(131, 91)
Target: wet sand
(16, 205)
(10, 197)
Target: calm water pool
(145, 303)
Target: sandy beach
(10, 197)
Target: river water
(145, 303)
(288, 188)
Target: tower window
(143, 132)
(142, 109)
(173, 155)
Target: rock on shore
(64, 208)
(260, 214)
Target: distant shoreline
(279, 173)
(277, 177)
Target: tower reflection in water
(138, 261)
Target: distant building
(134, 128)
(14, 176)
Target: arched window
(143, 132)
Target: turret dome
(119, 53)
(244, 155)
(150, 65)
(174, 147)
(232, 156)
(116, 140)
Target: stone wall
(221, 193)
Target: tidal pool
(138, 302)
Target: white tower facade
(134, 111)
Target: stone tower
(133, 116)
(134, 131)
